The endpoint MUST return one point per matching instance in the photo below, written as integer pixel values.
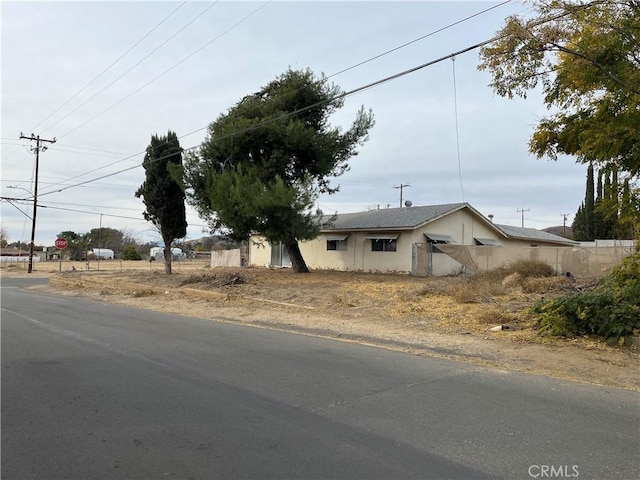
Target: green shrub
(611, 310)
(130, 253)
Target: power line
(300, 110)
(441, 29)
(292, 93)
(455, 110)
(303, 109)
(109, 67)
(134, 66)
(170, 68)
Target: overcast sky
(56, 83)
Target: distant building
(103, 253)
(157, 253)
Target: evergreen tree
(162, 191)
(264, 163)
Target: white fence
(10, 260)
(226, 258)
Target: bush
(529, 268)
(611, 310)
(130, 253)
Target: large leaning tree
(586, 58)
(163, 192)
(264, 163)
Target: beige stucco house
(403, 240)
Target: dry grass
(470, 304)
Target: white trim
(382, 236)
(335, 238)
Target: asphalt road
(98, 391)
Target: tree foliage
(4, 237)
(105, 237)
(610, 310)
(602, 216)
(162, 191)
(586, 58)
(130, 252)
(264, 162)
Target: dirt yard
(442, 317)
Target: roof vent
(408, 203)
(490, 217)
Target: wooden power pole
(401, 186)
(523, 210)
(36, 149)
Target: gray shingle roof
(414, 217)
(532, 234)
(391, 218)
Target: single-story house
(403, 240)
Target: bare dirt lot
(443, 317)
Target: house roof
(414, 217)
(391, 218)
(533, 234)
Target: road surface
(99, 391)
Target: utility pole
(564, 224)
(37, 148)
(401, 186)
(523, 210)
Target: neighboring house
(103, 253)
(157, 253)
(403, 240)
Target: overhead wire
(455, 110)
(169, 69)
(303, 109)
(439, 30)
(132, 67)
(110, 66)
(370, 59)
(339, 96)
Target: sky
(103, 77)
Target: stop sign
(61, 243)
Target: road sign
(61, 243)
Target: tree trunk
(297, 262)
(167, 255)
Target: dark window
(380, 245)
(337, 245)
(434, 240)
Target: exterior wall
(226, 258)
(413, 254)
(576, 260)
(259, 252)
(462, 226)
(359, 256)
